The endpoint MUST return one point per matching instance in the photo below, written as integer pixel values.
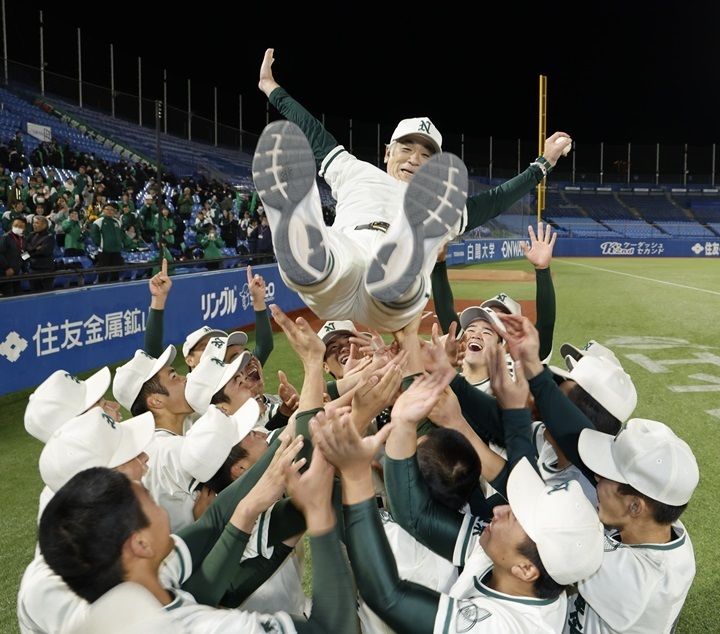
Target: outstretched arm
(539, 254)
(321, 141)
(264, 340)
(159, 285)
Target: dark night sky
(616, 74)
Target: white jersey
(639, 589)
(283, 591)
(195, 618)
(171, 486)
(547, 465)
(45, 604)
(365, 194)
(415, 562)
(272, 405)
(472, 606)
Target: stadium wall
(79, 329)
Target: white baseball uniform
(171, 486)
(45, 604)
(639, 589)
(366, 194)
(472, 606)
(547, 465)
(283, 591)
(415, 562)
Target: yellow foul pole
(542, 123)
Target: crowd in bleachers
(182, 219)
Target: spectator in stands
(202, 224)
(212, 211)
(128, 218)
(184, 205)
(131, 239)
(17, 190)
(148, 213)
(165, 227)
(229, 229)
(126, 198)
(16, 210)
(212, 245)
(107, 234)
(261, 240)
(58, 215)
(13, 257)
(41, 247)
(74, 234)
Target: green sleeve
(545, 303)
(155, 333)
(432, 523)
(209, 582)
(518, 437)
(302, 426)
(489, 204)
(425, 425)
(95, 234)
(403, 605)
(251, 574)
(334, 605)
(320, 139)
(480, 410)
(443, 297)
(561, 416)
(201, 535)
(332, 390)
(264, 340)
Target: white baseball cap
(418, 126)
(562, 522)
(129, 378)
(645, 454)
(208, 443)
(605, 381)
(127, 608)
(592, 348)
(93, 439)
(332, 329)
(194, 337)
(61, 397)
(473, 313)
(210, 376)
(218, 344)
(505, 303)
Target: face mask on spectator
(17, 231)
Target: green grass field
(660, 317)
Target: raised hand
(288, 393)
(416, 402)
(304, 340)
(160, 285)
(374, 394)
(334, 433)
(540, 251)
(523, 342)
(256, 286)
(267, 82)
(510, 393)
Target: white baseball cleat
(284, 173)
(432, 208)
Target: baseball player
(141, 549)
(60, 398)
(514, 571)
(357, 269)
(645, 478)
(45, 604)
(539, 253)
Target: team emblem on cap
(108, 420)
(425, 126)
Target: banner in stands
(85, 328)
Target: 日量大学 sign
(84, 328)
